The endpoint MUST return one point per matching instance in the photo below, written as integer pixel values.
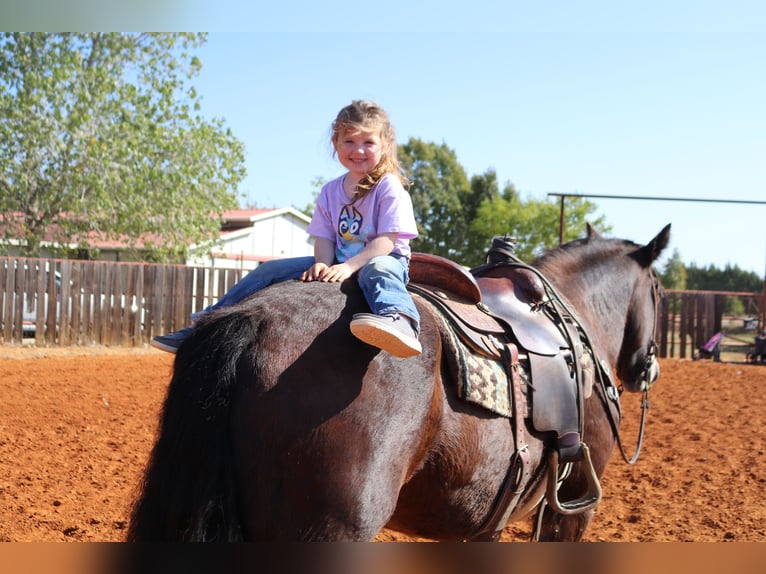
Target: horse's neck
(601, 301)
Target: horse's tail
(189, 489)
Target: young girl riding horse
(362, 225)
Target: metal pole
(762, 321)
(660, 198)
(561, 221)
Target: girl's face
(359, 151)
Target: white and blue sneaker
(391, 333)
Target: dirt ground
(76, 426)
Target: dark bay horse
(280, 425)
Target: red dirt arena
(76, 426)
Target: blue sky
(608, 98)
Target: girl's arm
(324, 256)
(383, 244)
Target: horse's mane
(574, 254)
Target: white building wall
(279, 236)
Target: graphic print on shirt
(351, 231)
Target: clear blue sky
(652, 98)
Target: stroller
(758, 356)
(711, 349)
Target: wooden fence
(688, 319)
(71, 302)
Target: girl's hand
(327, 273)
(314, 272)
(336, 273)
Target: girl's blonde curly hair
(364, 115)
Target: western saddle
(506, 310)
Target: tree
(484, 188)
(101, 138)
(438, 190)
(534, 223)
(730, 278)
(458, 219)
(673, 275)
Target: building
(248, 237)
(252, 236)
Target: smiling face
(359, 151)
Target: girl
(362, 224)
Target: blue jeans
(383, 282)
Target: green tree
(101, 138)
(484, 188)
(730, 278)
(439, 189)
(673, 274)
(534, 223)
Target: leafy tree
(534, 223)
(676, 275)
(673, 275)
(730, 278)
(484, 188)
(439, 189)
(100, 138)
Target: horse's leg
(555, 527)
(552, 526)
(304, 507)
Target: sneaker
(392, 333)
(171, 341)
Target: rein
(611, 393)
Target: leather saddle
(490, 300)
(497, 303)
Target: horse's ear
(592, 232)
(651, 251)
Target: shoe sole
(163, 347)
(387, 339)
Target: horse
(279, 425)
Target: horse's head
(612, 284)
(637, 366)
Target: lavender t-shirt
(387, 208)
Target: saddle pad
(481, 380)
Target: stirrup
(578, 505)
